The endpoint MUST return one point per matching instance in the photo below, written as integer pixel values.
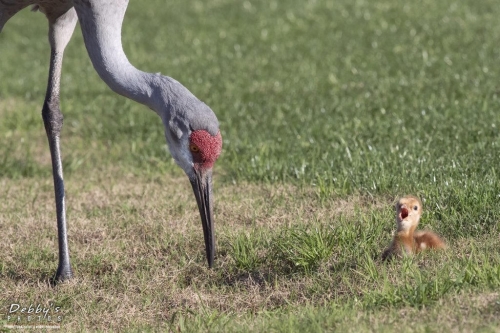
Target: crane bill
(202, 188)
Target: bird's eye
(194, 148)
(415, 207)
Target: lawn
(329, 111)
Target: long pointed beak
(202, 188)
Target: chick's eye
(194, 149)
(415, 207)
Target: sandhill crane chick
(407, 240)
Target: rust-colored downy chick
(407, 240)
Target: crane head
(205, 150)
(195, 142)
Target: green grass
(329, 110)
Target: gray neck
(101, 23)
(180, 110)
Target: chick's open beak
(202, 188)
(404, 213)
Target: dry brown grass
(136, 246)
(137, 249)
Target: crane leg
(60, 31)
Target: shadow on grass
(254, 278)
(34, 277)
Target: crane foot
(64, 273)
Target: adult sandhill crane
(191, 127)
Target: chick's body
(407, 240)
